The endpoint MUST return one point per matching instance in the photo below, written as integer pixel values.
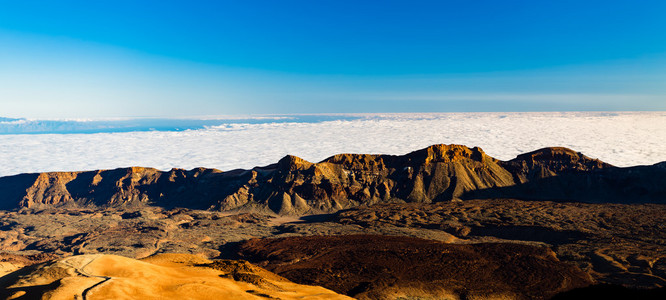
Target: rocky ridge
(295, 186)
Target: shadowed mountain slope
(295, 186)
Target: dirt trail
(81, 270)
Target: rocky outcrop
(295, 186)
(548, 162)
(437, 173)
(560, 174)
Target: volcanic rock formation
(295, 186)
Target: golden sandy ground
(165, 276)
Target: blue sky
(100, 59)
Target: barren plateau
(442, 222)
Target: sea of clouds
(622, 139)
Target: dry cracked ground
(498, 248)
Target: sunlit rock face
(164, 276)
(296, 186)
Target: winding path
(81, 270)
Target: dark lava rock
(380, 267)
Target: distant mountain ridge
(296, 186)
(5, 119)
(68, 126)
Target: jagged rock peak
(449, 153)
(357, 161)
(294, 185)
(135, 169)
(292, 163)
(559, 158)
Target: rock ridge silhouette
(294, 186)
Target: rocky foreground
(167, 276)
(357, 265)
(550, 223)
(477, 244)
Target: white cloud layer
(622, 139)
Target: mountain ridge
(295, 186)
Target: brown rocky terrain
(549, 209)
(614, 243)
(295, 186)
(12, 262)
(388, 267)
(621, 244)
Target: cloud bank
(622, 139)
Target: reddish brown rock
(384, 267)
(295, 186)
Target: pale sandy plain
(166, 276)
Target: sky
(116, 59)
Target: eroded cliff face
(295, 186)
(436, 173)
(548, 162)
